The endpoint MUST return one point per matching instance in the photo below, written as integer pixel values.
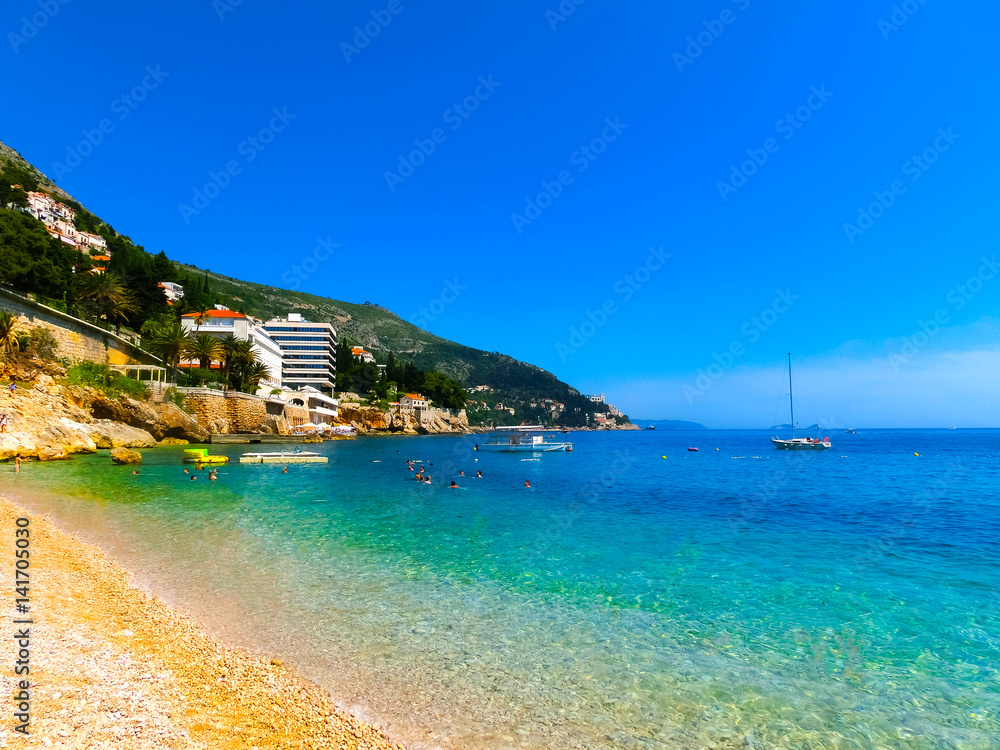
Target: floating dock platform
(244, 438)
(283, 458)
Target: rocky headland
(48, 421)
(367, 420)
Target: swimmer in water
(526, 484)
(284, 470)
(479, 475)
(193, 477)
(453, 485)
(427, 479)
(186, 471)
(462, 473)
(134, 472)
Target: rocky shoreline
(48, 422)
(114, 668)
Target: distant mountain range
(669, 424)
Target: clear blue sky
(886, 90)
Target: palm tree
(170, 343)
(255, 372)
(244, 357)
(229, 344)
(200, 317)
(205, 349)
(120, 311)
(106, 291)
(8, 334)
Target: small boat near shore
(521, 439)
(297, 457)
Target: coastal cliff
(48, 421)
(370, 419)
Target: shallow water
(740, 597)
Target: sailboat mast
(791, 401)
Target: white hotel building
(308, 352)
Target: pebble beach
(112, 667)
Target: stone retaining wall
(77, 339)
(224, 413)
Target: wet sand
(112, 667)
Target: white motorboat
(528, 439)
(794, 443)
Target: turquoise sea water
(636, 596)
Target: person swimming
(461, 473)
(527, 483)
(284, 470)
(454, 486)
(479, 475)
(193, 477)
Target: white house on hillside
(413, 401)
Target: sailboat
(798, 444)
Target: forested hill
(32, 261)
(381, 331)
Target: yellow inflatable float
(200, 456)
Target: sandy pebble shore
(114, 668)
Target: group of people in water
(421, 475)
(213, 474)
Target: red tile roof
(415, 396)
(216, 314)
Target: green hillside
(31, 261)
(381, 331)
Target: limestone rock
(174, 441)
(134, 413)
(108, 434)
(174, 422)
(124, 456)
(51, 452)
